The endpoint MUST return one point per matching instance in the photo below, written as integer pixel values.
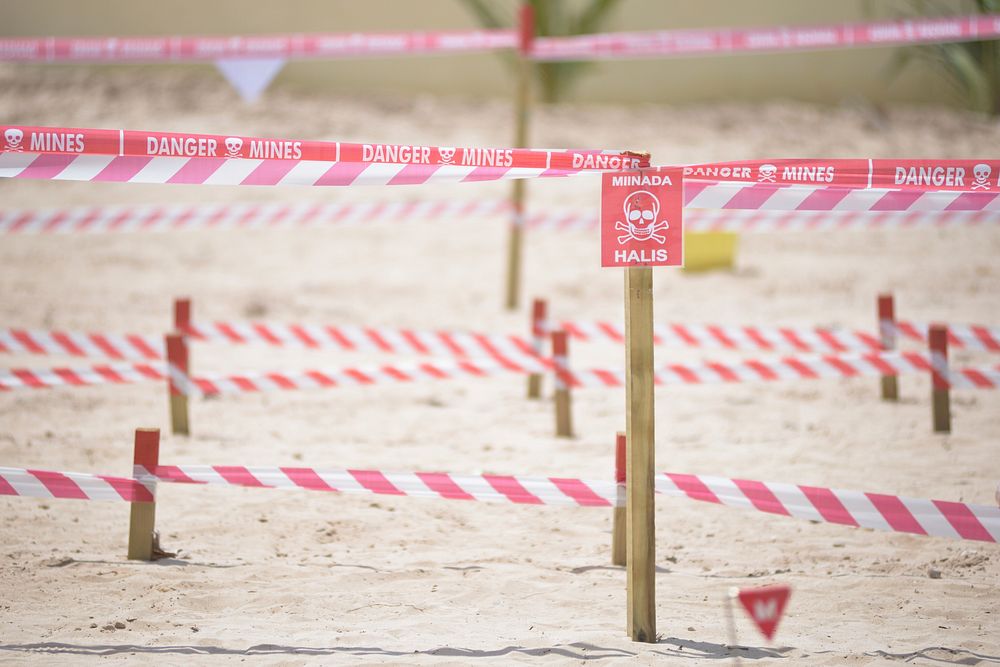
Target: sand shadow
(576, 650)
(689, 648)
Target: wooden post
(182, 315)
(142, 521)
(887, 338)
(539, 329)
(563, 379)
(619, 548)
(940, 391)
(177, 365)
(641, 583)
(521, 116)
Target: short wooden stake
(178, 381)
(619, 548)
(563, 379)
(887, 338)
(142, 521)
(539, 329)
(940, 391)
(182, 315)
(640, 459)
(522, 111)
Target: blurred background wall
(829, 76)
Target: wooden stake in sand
(142, 521)
(619, 547)
(178, 380)
(887, 337)
(539, 328)
(641, 226)
(522, 112)
(641, 581)
(560, 359)
(940, 391)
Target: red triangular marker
(765, 605)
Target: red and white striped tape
(798, 339)
(73, 485)
(752, 220)
(80, 154)
(298, 46)
(504, 348)
(754, 370)
(649, 44)
(852, 508)
(719, 41)
(158, 157)
(107, 219)
(744, 196)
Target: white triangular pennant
(250, 76)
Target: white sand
(321, 578)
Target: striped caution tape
(852, 508)
(722, 41)
(163, 218)
(799, 339)
(297, 46)
(805, 367)
(72, 485)
(505, 348)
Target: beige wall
(824, 76)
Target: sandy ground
(304, 578)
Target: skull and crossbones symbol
(233, 146)
(14, 137)
(447, 155)
(981, 172)
(641, 209)
(767, 173)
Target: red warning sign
(641, 222)
(765, 605)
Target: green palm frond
(552, 18)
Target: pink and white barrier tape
(507, 349)
(157, 157)
(107, 219)
(309, 336)
(852, 508)
(751, 220)
(297, 46)
(161, 157)
(706, 42)
(798, 339)
(73, 485)
(753, 370)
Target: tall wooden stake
(619, 549)
(539, 330)
(521, 117)
(940, 391)
(641, 583)
(887, 338)
(142, 521)
(178, 364)
(564, 409)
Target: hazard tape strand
(719, 41)
(852, 508)
(805, 367)
(163, 218)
